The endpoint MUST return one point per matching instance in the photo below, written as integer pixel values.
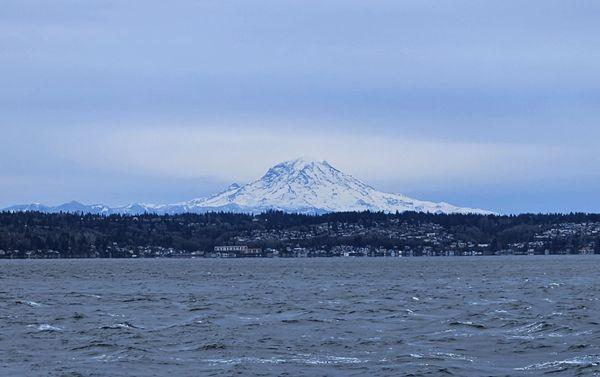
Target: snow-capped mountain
(303, 185)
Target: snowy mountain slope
(303, 185)
(306, 185)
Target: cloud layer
(489, 104)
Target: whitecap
(33, 304)
(124, 325)
(47, 327)
(587, 360)
(246, 360)
(327, 360)
(442, 356)
(300, 359)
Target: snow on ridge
(303, 185)
(314, 184)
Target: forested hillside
(27, 234)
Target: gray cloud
(462, 97)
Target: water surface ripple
(484, 316)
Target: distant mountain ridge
(302, 185)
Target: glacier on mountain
(302, 185)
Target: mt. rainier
(306, 185)
(302, 185)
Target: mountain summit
(307, 185)
(303, 185)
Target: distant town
(281, 235)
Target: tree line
(86, 235)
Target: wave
(47, 327)
(123, 325)
(580, 361)
(298, 359)
(33, 304)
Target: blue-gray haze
(490, 104)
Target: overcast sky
(491, 104)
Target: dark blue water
(482, 316)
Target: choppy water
(378, 317)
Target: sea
(437, 316)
